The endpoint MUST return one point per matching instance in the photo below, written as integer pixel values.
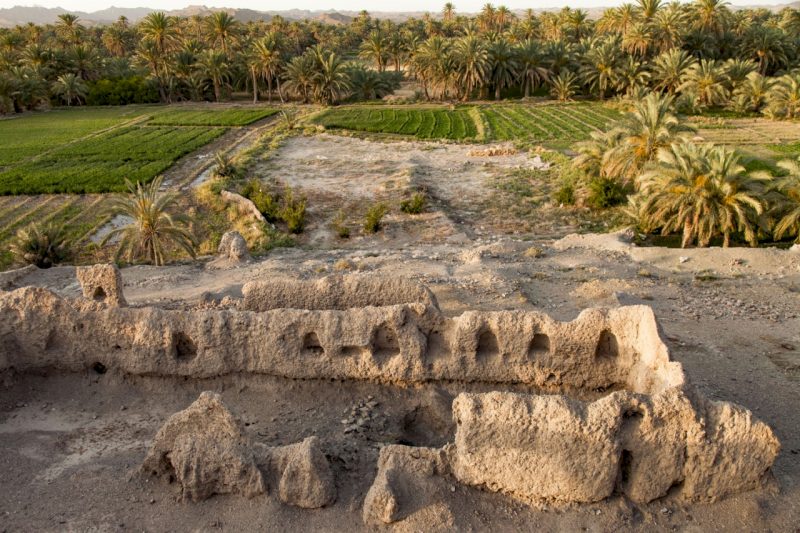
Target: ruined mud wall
(335, 292)
(599, 350)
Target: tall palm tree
(448, 12)
(224, 30)
(160, 29)
(600, 68)
(70, 88)
(737, 70)
(768, 46)
(504, 66)
(155, 224)
(532, 69)
(266, 62)
(783, 98)
(711, 15)
(374, 49)
(471, 61)
(214, 65)
(68, 28)
(702, 191)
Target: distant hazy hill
(42, 15)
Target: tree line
(704, 53)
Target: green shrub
(122, 91)
(43, 246)
(565, 195)
(605, 192)
(265, 201)
(374, 216)
(293, 211)
(414, 205)
(224, 166)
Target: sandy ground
(70, 444)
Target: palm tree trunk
(217, 90)
(255, 86)
(497, 92)
(687, 234)
(726, 240)
(269, 89)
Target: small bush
(605, 192)
(293, 211)
(122, 91)
(223, 166)
(43, 246)
(339, 226)
(374, 216)
(565, 195)
(414, 205)
(265, 201)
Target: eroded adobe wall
(335, 292)
(599, 350)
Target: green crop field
(422, 123)
(210, 117)
(505, 122)
(28, 135)
(570, 122)
(101, 163)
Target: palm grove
(661, 59)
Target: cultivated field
(422, 123)
(59, 166)
(505, 122)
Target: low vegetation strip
(572, 122)
(422, 123)
(27, 136)
(102, 163)
(210, 117)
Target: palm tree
(374, 49)
(737, 70)
(331, 82)
(68, 28)
(448, 12)
(648, 8)
(600, 69)
(299, 76)
(214, 65)
(532, 71)
(367, 84)
(670, 69)
(43, 246)
(471, 61)
(223, 28)
(789, 186)
(668, 26)
(703, 191)
(503, 65)
(564, 86)
(752, 94)
(706, 80)
(711, 15)
(783, 98)
(766, 45)
(632, 75)
(155, 224)
(265, 62)
(70, 88)
(650, 126)
(160, 29)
